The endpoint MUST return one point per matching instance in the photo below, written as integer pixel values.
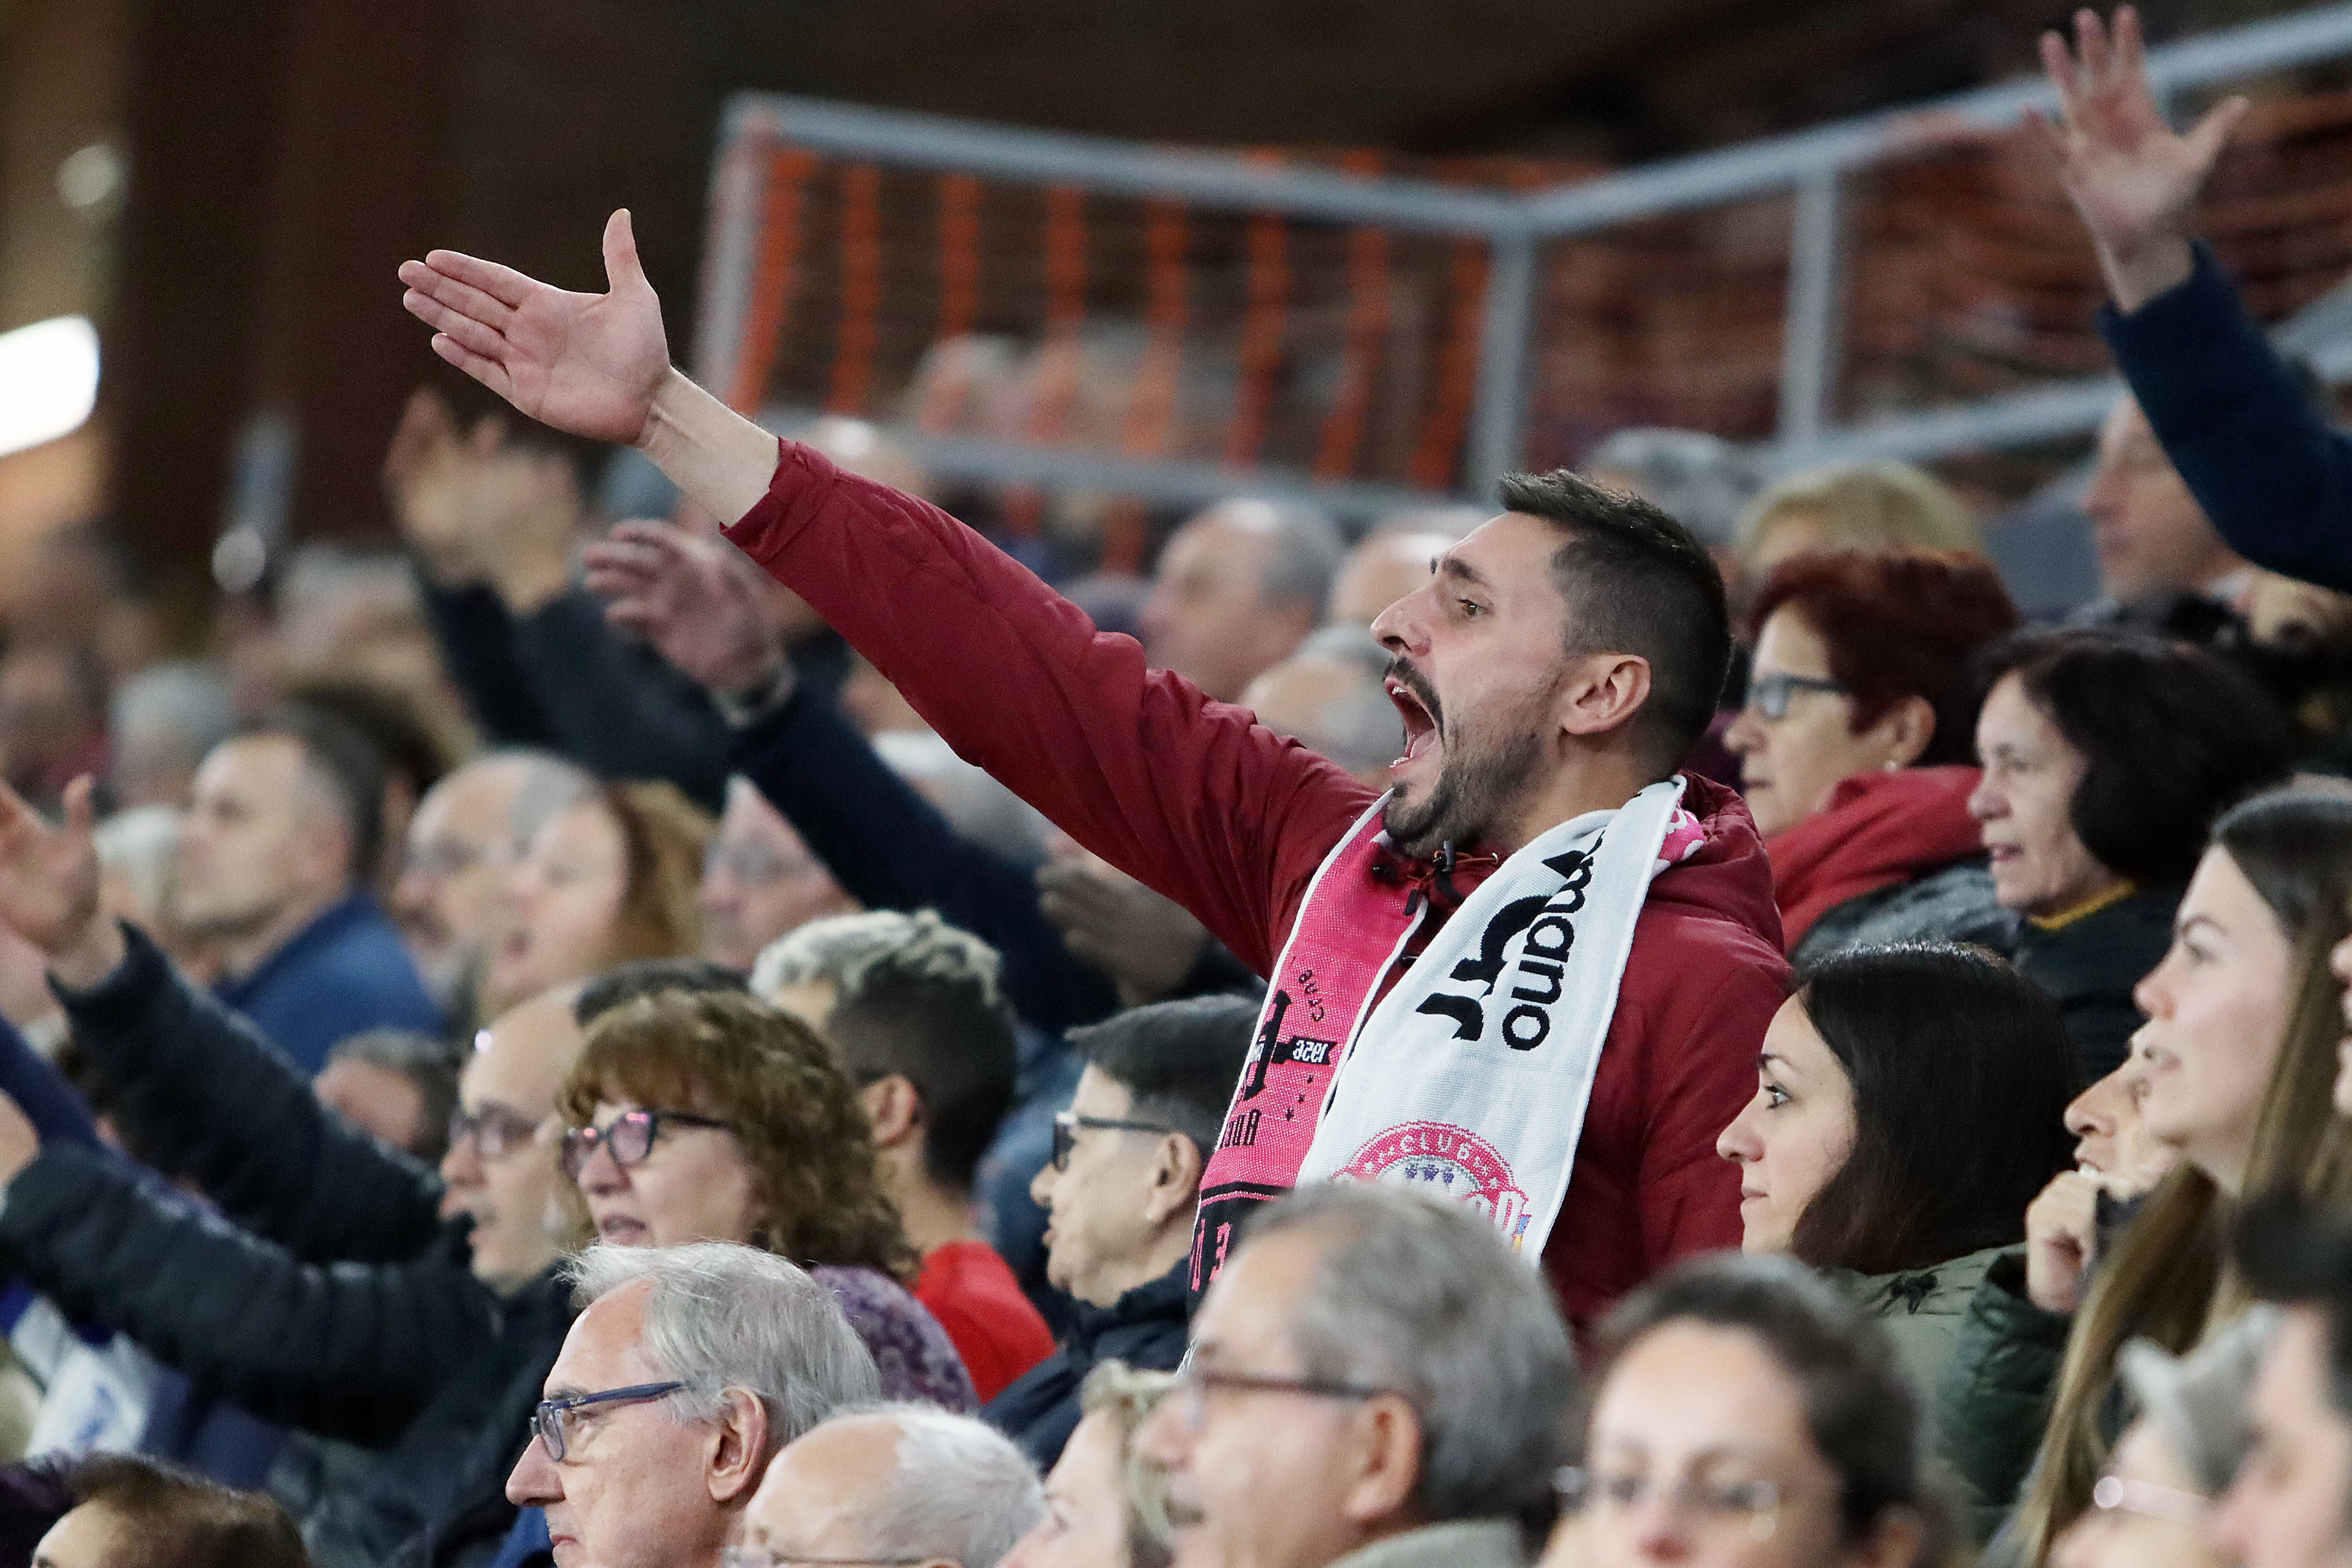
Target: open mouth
(1420, 721)
(622, 1231)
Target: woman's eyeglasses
(1712, 1504)
(628, 1138)
(1768, 694)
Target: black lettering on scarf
(1551, 937)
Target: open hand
(1146, 943)
(478, 506)
(588, 363)
(48, 876)
(2130, 177)
(697, 599)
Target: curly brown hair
(816, 1181)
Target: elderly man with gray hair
(892, 1483)
(688, 1368)
(1375, 1380)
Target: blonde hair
(1126, 1397)
(1864, 506)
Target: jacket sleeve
(891, 849)
(212, 1102)
(1190, 796)
(1994, 1397)
(1689, 1192)
(2275, 481)
(351, 1351)
(616, 708)
(478, 643)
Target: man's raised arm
(591, 364)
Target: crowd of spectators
(1665, 1024)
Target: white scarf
(1471, 1078)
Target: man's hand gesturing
(696, 600)
(588, 363)
(48, 886)
(2131, 179)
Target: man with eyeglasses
(891, 1486)
(1375, 1379)
(1120, 1194)
(688, 1369)
(759, 881)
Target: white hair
(960, 1489)
(843, 951)
(722, 1316)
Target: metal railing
(1813, 165)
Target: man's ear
(1175, 1178)
(737, 1449)
(1382, 1461)
(894, 1107)
(1602, 692)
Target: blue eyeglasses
(552, 1422)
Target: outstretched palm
(2128, 175)
(587, 364)
(48, 876)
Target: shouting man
(1533, 975)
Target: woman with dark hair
(1746, 1414)
(1854, 742)
(2236, 1061)
(2106, 755)
(717, 1118)
(1909, 1107)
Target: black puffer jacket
(1146, 1329)
(328, 1295)
(2089, 965)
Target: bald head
(895, 1482)
(1236, 589)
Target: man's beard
(1480, 784)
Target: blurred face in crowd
(385, 1104)
(2151, 536)
(694, 1184)
(1699, 1454)
(1114, 1215)
(638, 1488)
(2291, 1506)
(1330, 706)
(460, 850)
(1265, 1477)
(499, 1169)
(1085, 1525)
(1794, 1135)
(1789, 765)
(1381, 570)
(563, 903)
(820, 1494)
(2155, 1525)
(261, 841)
(759, 881)
(1207, 618)
(2030, 772)
(1480, 679)
(2216, 1012)
(2111, 1137)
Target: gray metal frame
(1812, 164)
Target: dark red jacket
(1876, 830)
(1198, 800)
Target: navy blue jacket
(343, 972)
(2273, 478)
(1146, 1329)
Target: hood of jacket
(1878, 830)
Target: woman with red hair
(1856, 741)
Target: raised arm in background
(2275, 481)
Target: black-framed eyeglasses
(552, 1421)
(1067, 1124)
(495, 1130)
(1768, 694)
(1195, 1383)
(628, 1137)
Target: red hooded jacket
(1196, 799)
(1878, 830)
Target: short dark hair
(2170, 736)
(1861, 1412)
(948, 1035)
(1897, 623)
(1961, 1070)
(340, 756)
(653, 977)
(1181, 1061)
(1636, 582)
(2292, 1251)
(181, 1519)
(405, 738)
(427, 1062)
